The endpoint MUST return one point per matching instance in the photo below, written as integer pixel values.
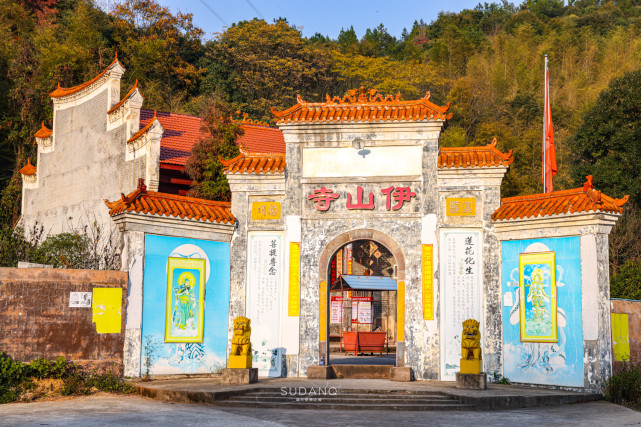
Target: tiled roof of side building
(28, 169)
(43, 132)
(170, 205)
(363, 106)
(578, 200)
(255, 163)
(182, 132)
(474, 157)
(62, 91)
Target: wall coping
(555, 226)
(60, 274)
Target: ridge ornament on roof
(28, 169)
(363, 106)
(575, 201)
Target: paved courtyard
(105, 409)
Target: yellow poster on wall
(265, 210)
(428, 282)
(106, 305)
(400, 336)
(294, 280)
(323, 311)
(538, 305)
(620, 337)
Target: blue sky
(326, 17)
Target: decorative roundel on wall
(191, 251)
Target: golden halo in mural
(186, 275)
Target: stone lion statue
(240, 342)
(471, 340)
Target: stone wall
(36, 320)
(85, 165)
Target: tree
(260, 65)
(608, 143)
(220, 132)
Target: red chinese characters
(359, 200)
(400, 195)
(323, 198)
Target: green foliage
(624, 388)
(17, 377)
(608, 143)
(88, 248)
(150, 350)
(203, 166)
(626, 283)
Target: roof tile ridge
(178, 197)
(541, 196)
(505, 156)
(144, 129)
(65, 91)
(232, 161)
(123, 100)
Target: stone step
(343, 399)
(370, 392)
(352, 406)
(341, 394)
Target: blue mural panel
(550, 363)
(184, 357)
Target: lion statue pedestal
(471, 375)
(239, 368)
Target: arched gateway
(325, 282)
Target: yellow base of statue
(243, 361)
(471, 366)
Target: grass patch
(624, 388)
(49, 378)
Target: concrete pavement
(110, 410)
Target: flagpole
(545, 113)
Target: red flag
(549, 154)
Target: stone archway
(323, 269)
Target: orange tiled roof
(163, 204)
(62, 91)
(473, 157)
(255, 163)
(122, 101)
(182, 132)
(361, 105)
(43, 132)
(28, 169)
(578, 200)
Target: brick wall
(36, 320)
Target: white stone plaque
(461, 292)
(264, 284)
(80, 299)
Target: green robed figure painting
(538, 305)
(185, 296)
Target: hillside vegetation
(487, 62)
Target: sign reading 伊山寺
(395, 198)
(460, 206)
(265, 210)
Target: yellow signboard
(323, 311)
(428, 282)
(294, 279)
(400, 316)
(620, 337)
(460, 206)
(106, 306)
(265, 210)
